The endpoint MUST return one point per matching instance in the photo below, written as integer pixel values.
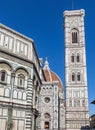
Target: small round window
(47, 99)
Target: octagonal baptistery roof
(51, 76)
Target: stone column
(10, 108)
(12, 85)
(37, 107)
(10, 125)
(29, 105)
(34, 105)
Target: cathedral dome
(51, 76)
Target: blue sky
(42, 20)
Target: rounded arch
(15, 94)
(47, 115)
(21, 77)
(6, 62)
(24, 96)
(19, 95)
(75, 28)
(21, 67)
(3, 76)
(7, 92)
(47, 120)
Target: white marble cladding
(74, 12)
(49, 90)
(6, 41)
(74, 19)
(75, 66)
(18, 44)
(75, 51)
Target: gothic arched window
(78, 58)
(3, 75)
(21, 80)
(74, 36)
(72, 58)
(78, 76)
(73, 76)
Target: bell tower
(77, 117)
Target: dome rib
(51, 76)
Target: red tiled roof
(51, 76)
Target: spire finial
(46, 64)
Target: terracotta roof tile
(51, 76)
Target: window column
(10, 108)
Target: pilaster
(10, 106)
(29, 113)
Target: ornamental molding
(74, 21)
